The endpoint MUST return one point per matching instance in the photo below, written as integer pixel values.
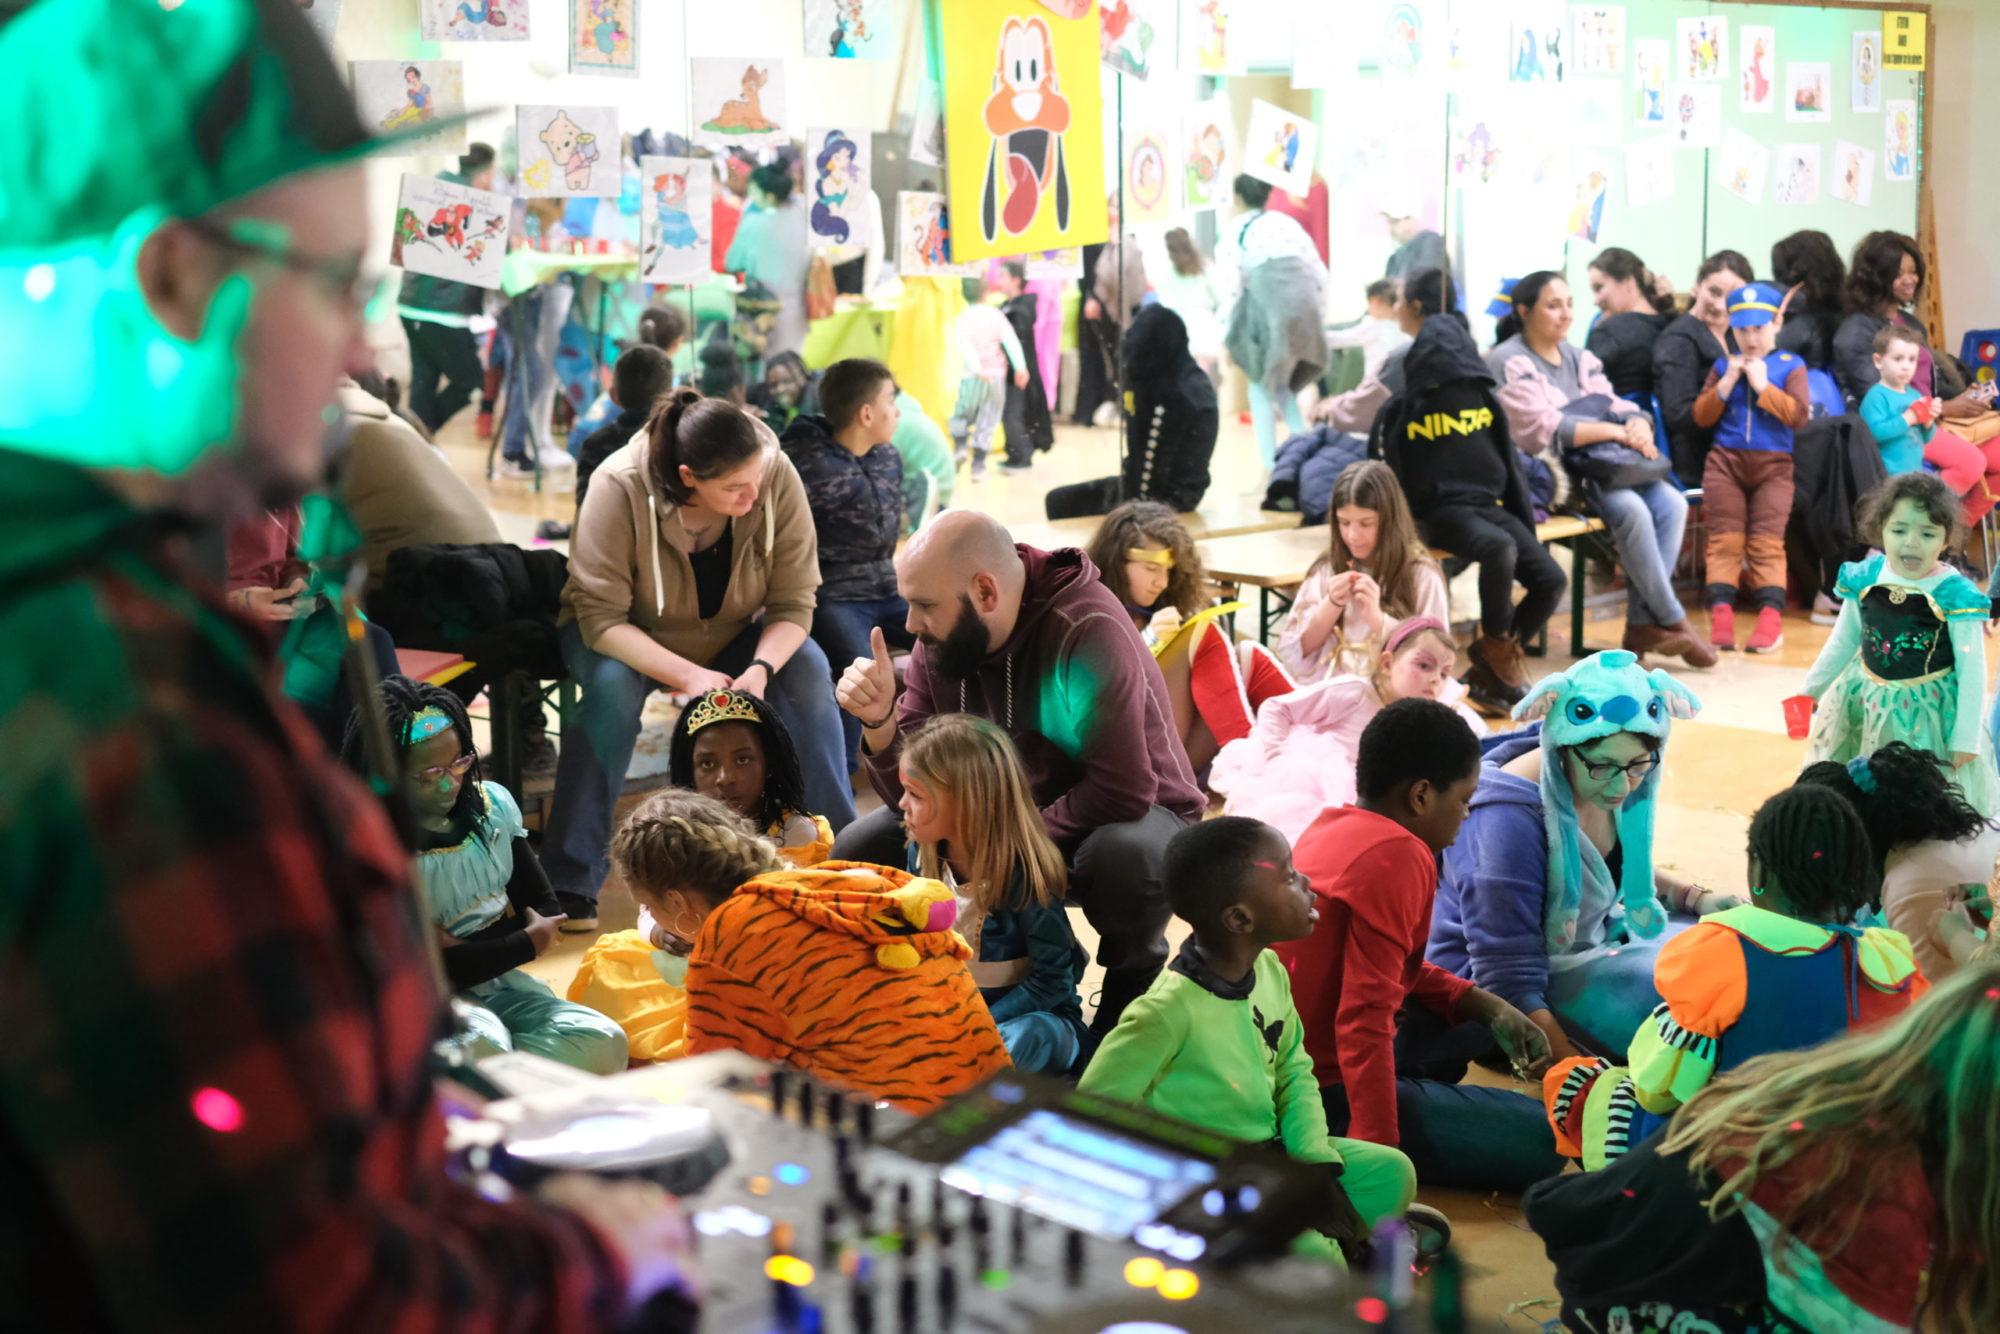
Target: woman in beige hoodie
(693, 567)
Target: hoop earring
(1757, 890)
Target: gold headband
(721, 706)
(1160, 556)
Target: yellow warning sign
(1903, 34)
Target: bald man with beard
(1034, 642)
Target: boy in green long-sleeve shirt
(1216, 1040)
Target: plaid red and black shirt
(215, 1003)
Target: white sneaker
(1107, 414)
(1825, 611)
(557, 460)
(507, 470)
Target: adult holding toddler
(1034, 641)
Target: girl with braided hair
(485, 890)
(849, 972)
(1932, 851)
(1845, 1187)
(1783, 972)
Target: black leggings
(1505, 550)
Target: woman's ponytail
(707, 436)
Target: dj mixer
(1019, 1206)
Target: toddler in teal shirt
(1216, 1040)
(1901, 419)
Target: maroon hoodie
(1083, 700)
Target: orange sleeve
(1700, 975)
(1708, 403)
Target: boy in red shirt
(1390, 1034)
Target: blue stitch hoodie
(1486, 924)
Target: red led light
(217, 1110)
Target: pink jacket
(1537, 407)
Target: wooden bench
(1224, 517)
(1276, 563)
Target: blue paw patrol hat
(1754, 305)
(1502, 304)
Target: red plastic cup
(1798, 716)
(1922, 410)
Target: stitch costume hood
(1605, 694)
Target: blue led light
(791, 1174)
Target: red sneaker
(1722, 626)
(482, 425)
(1769, 634)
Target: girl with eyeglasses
(487, 895)
(1550, 898)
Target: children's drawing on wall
(1586, 213)
(849, 29)
(1128, 35)
(676, 219)
(472, 20)
(927, 125)
(568, 151)
(838, 179)
(325, 16)
(1899, 131)
(1649, 172)
(1148, 171)
(1537, 45)
(1055, 265)
(1029, 117)
(1208, 46)
(1808, 92)
(1210, 163)
(604, 37)
(1597, 39)
(1475, 157)
(1650, 63)
(1697, 115)
(923, 235)
(1865, 94)
(1798, 173)
(1597, 113)
(396, 95)
(1758, 49)
(1704, 49)
(1743, 167)
(444, 230)
(1853, 178)
(738, 101)
(1404, 33)
(1281, 147)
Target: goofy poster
(1024, 139)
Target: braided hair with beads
(402, 700)
(1810, 857)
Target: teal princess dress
(471, 876)
(1906, 662)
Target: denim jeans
(536, 317)
(1467, 1136)
(841, 630)
(597, 747)
(1646, 526)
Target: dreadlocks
(1808, 849)
(1910, 797)
(784, 781)
(402, 700)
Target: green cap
(113, 106)
(120, 114)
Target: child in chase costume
(1527, 906)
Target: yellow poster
(1903, 32)
(1023, 119)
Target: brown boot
(1659, 640)
(1498, 678)
(1697, 653)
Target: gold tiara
(721, 706)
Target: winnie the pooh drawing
(573, 150)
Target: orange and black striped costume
(850, 972)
